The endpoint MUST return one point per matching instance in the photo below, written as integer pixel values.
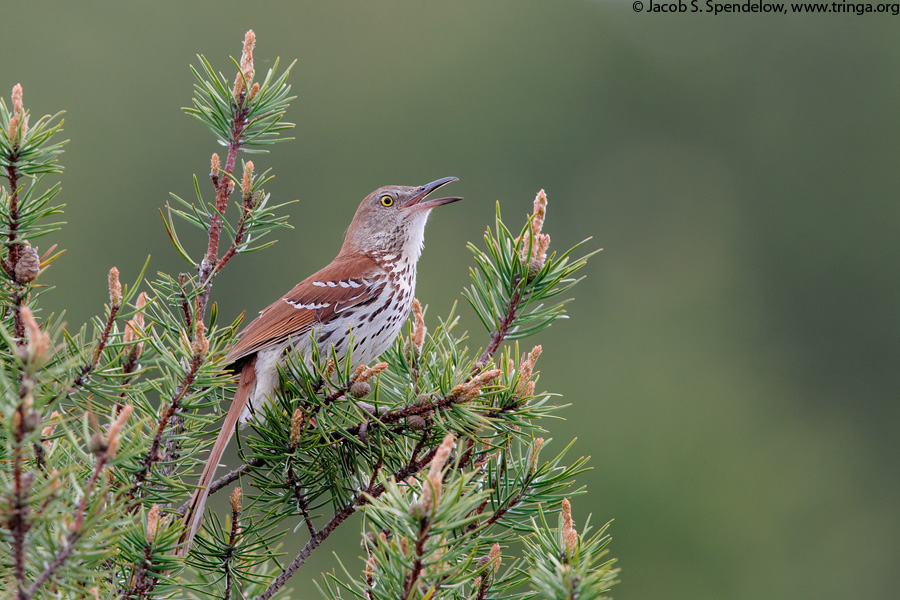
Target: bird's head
(392, 220)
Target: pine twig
(101, 344)
(152, 455)
(12, 226)
(18, 523)
(209, 266)
(413, 577)
(75, 531)
(361, 498)
(503, 327)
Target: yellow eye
(386, 201)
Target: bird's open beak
(415, 203)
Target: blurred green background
(731, 359)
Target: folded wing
(316, 300)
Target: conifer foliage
(104, 429)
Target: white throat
(415, 238)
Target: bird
(367, 290)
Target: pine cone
(28, 266)
(360, 389)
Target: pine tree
(105, 428)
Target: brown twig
(101, 344)
(227, 478)
(300, 499)
(185, 309)
(233, 536)
(152, 455)
(142, 584)
(18, 520)
(499, 334)
(12, 227)
(410, 584)
(75, 531)
(361, 498)
(224, 187)
(483, 588)
(239, 236)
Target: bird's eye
(386, 201)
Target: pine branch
(224, 187)
(12, 241)
(152, 455)
(503, 327)
(18, 522)
(101, 344)
(105, 451)
(419, 550)
(75, 531)
(360, 498)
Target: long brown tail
(194, 516)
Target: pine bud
(131, 332)
(540, 211)
(253, 92)
(152, 523)
(112, 435)
(215, 165)
(13, 129)
(236, 500)
(533, 244)
(200, 344)
(441, 456)
(360, 389)
(433, 484)
(569, 535)
(526, 369)
(29, 265)
(296, 427)
(370, 571)
(38, 341)
(416, 422)
(115, 288)
(17, 99)
(370, 372)
(535, 452)
(495, 557)
(247, 70)
(247, 55)
(247, 178)
(17, 121)
(418, 335)
(528, 390)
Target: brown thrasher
(367, 290)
